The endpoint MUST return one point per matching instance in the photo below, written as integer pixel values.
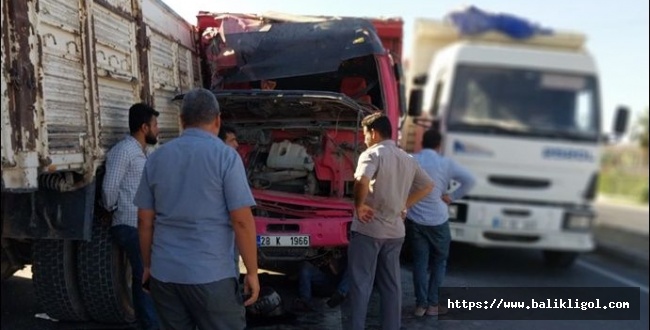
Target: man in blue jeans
(124, 166)
(427, 226)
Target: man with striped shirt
(124, 166)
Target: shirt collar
(135, 141)
(387, 143)
(197, 132)
(428, 151)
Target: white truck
(524, 116)
(70, 71)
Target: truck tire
(55, 279)
(559, 259)
(105, 278)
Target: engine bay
(309, 161)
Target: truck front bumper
(489, 224)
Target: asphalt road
(468, 267)
(627, 217)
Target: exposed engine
(297, 161)
(287, 167)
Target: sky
(617, 30)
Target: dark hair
(431, 139)
(224, 130)
(140, 113)
(380, 123)
(200, 106)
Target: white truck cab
(524, 116)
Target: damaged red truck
(300, 140)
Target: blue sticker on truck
(572, 154)
(471, 149)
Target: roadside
(621, 231)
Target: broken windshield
(245, 49)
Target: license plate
(285, 240)
(514, 224)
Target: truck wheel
(559, 259)
(105, 278)
(55, 279)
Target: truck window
(524, 102)
(435, 106)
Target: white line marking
(612, 276)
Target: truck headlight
(453, 211)
(578, 221)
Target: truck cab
(524, 116)
(296, 88)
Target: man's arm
(144, 200)
(422, 184)
(239, 199)
(116, 164)
(245, 237)
(145, 232)
(361, 189)
(464, 177)
(366, 168)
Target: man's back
(432, 210)
(393, 176)
(196, 181)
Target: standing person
(194, 204)
(124, 165)
(427, 223)
(384, 177)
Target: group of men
(193, 205)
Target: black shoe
(336, 299)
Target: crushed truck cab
(296, 89)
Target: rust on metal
(115, 10)
(142, 47)
(23, 94)
(90, 61)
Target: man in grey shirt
(387, 182)
(194, 204)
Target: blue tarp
(473, 21)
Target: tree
(642, 130)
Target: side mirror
(415, 103)
(420, 80)
(621, 120)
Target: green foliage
(629, 186)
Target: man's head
(200, 109)
(229, 136)
(143, 120)
(432, 139)
(376, 128)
